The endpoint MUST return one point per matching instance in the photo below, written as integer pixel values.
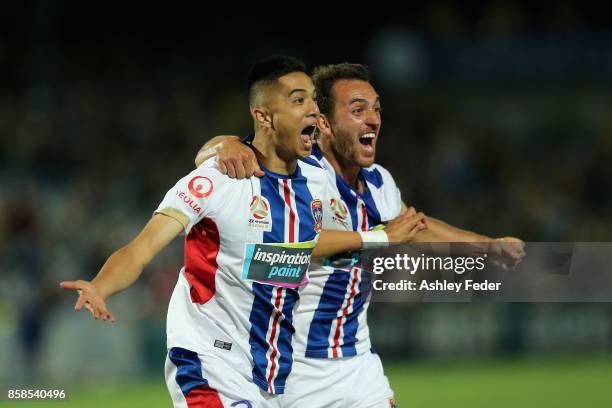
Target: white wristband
(374, 239)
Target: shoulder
(207, 178)
(311, 167)
(377, 175)
(312, 161)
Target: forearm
(333, 242)
(211, 147)
(125, 265)
(439, 231)
(119, 272)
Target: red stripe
(291, 213)
(203, 397)
(344, 313)
(201, 250)
(279, 294)
(364, 216)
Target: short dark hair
(268, 71)
(325, 76)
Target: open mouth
(307, 136)
(367, 139)
(309, 130)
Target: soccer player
(247, 247)
(332, 338)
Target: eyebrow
(362, 100)
(297, 90)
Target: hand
(507, 252)
(238, 160)
(90, 298)
(234, 158)
(406, 226)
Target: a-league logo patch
(317, 214)
(259, 207)
(338, 207)
(260, 214)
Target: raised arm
(124, 266)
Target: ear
(323, 125)
(262, 117)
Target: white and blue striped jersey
(331, 315)
(247, 248)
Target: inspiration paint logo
(283, 264)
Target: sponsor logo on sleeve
(189, 200)
(200, 186)
(282, 264)
(316, 206)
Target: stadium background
(497, 118)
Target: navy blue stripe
(312, 162)
(350, 199)
(303, 201)
(371, 209)
(330, 303)
(351, 323)
(259, 318)
(285, 349)
(188, 369)
(372, 176)
(316, 152)
(270, 190)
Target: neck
(348, 171)
(269, 154)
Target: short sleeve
(189, 200)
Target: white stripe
(330, 340)
(360, 206)
(340, 314)
(274, 344)
(281, 189)
(296, 222)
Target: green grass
(499, 384)
(538, 383)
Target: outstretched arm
(235, 158)
(507, 252)
(124, 266)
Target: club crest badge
(316, 206)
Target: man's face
(294, 115)
(356, 121)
